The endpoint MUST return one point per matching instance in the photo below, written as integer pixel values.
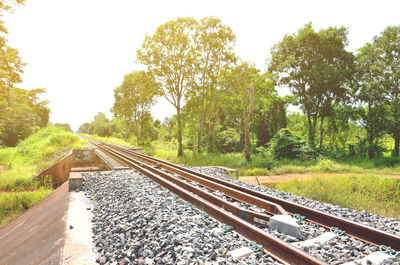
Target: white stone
(321, 239)
(374, 258)
(240, 253)
(216, 231)
(285, 223)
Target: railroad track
(248, 222)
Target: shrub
(228, 141)
(285, 145)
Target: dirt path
(267, 180)
(2, 169)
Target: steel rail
(277, 248)
(357, 230)
(245, 214)
(270, 207)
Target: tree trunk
(126, 129)
(321, 132)
(396, 145)
(310, 134)
(370, 129)
(178, 114)
(200, 133)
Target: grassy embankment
(18, 190)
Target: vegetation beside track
(261, 165)
(373, 194)
(18, 189)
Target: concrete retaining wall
(59, 172)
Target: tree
(19, 116)
(10, 63)
(316, 68)
(242, 83)
(86, 128)
(101, 125)
(133, 100)
(369, 89)
(170, 56)
(64, 126)
(214, 48)
(388, 45)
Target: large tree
(133, 100)
(316, 68)
(214, 48)
(10, 63)
(388, 45)
(369, 89)
(240, 85)
(170, 56)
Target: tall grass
(33, 155)
(18, 189)
(374, 194)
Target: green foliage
(316, 67)
(64, 126)
(133, 100)
(228, 141)
(20, 112)
(285, 145)
(14, 204)
(374, 194)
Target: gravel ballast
(138, 222)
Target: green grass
(32, 155)
(14, 204)
(19, 190)
(374, 194)
(261, 166)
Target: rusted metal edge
(352, 228)
(275, 247)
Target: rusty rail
(352, 228)
(277, 248)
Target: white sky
(79, 50)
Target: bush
(228, 141)
(285, 145)
(364, 149)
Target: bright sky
(80, 50)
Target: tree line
(21, 111)
(225, 104)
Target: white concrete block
(321, 239)
(285, 223)
(374, 258)
(240, 253)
